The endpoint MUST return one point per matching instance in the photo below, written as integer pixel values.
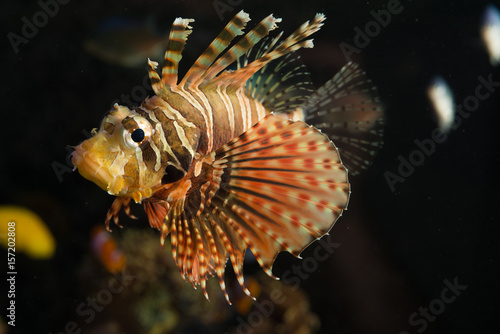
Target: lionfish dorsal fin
(282, 85)
(292, 43)
(154, 77)
(176, 41)
(251, 38)
(220, 43)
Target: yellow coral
(31, 234)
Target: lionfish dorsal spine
(234, 28)
(154, 77)
(251, 38)
(176, 41)
(292, 43)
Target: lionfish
(223, 161)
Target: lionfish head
(115, 157)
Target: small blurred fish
(242, 303)
(126, 42)
(31, 234)
(441, 98)
(106, 250)
(490, 32)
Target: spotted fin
(347, 109)
(277, 187)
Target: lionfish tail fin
(347, 109)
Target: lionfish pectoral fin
(347, 109)
(156, 213)
(277, 187)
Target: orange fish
(223, 160)
(106, 249)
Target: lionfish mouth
(93, 171)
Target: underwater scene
(250, 167)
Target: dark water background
(396, 247)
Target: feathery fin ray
(282, 85)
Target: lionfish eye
(138, 135)
(136, 131)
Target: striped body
(222, 160)
(218, 114)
